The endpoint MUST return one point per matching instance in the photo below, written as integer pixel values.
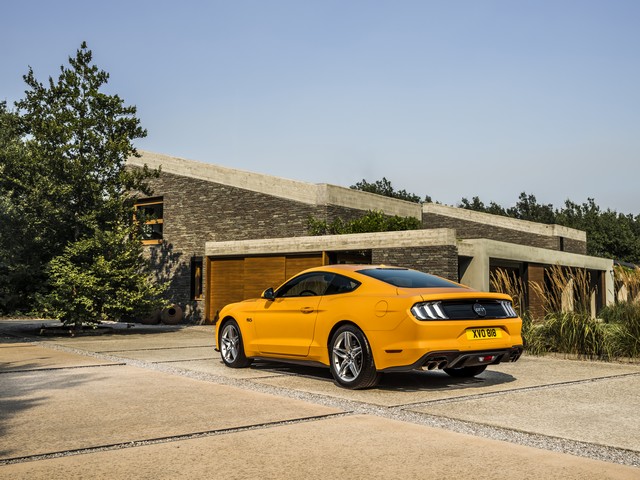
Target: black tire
(466, 372)
(350, 359)
(231, 346)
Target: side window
(341, 284)
(150, 213)
(310, 284)
(196, 278)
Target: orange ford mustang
(361, 320)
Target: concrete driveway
(156, 402)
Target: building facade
(218, 235)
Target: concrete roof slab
(357, 447)
(352, 241)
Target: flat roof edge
(357, 241)
(505, 222)
(348, 197)
(304, 192)
(257, 182)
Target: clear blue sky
(446, 98)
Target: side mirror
(269, 294)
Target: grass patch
(623, 320)
(572, 333)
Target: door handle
(307, 309)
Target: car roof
(350, 267)
(358, 269)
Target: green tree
(609, 233)
(67, 181)
(18, 249)
(479, 206)
(384, 187)
(78, 140)
(528, 208)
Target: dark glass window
(317, 283)
(309, 284)
(405, 278)
(341, 284)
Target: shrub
(574, 333)
(372, 221)
(624, 321)
(103, 277)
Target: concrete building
(219, 235)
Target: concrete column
(609, 286)
(477, 273)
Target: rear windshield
(405, 278)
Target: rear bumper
(458, 359)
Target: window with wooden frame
(196, 278)
(149, 212)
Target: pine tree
(69, 192)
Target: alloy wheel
(230, 343)
(347, 356)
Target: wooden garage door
(261, 273)
(225, 284)
(295, 264)
(234, 279)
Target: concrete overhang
(329, 243)
(482, 251)
(522, 253)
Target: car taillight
(508, 309)
(428, 311)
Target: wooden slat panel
(261, 273)
(297, 263)
(226, 284)
(235, 279)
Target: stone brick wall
(439, 260)
(198, 211)
(467, 230)
(575, 246)
(332, 212)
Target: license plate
(483, 333)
